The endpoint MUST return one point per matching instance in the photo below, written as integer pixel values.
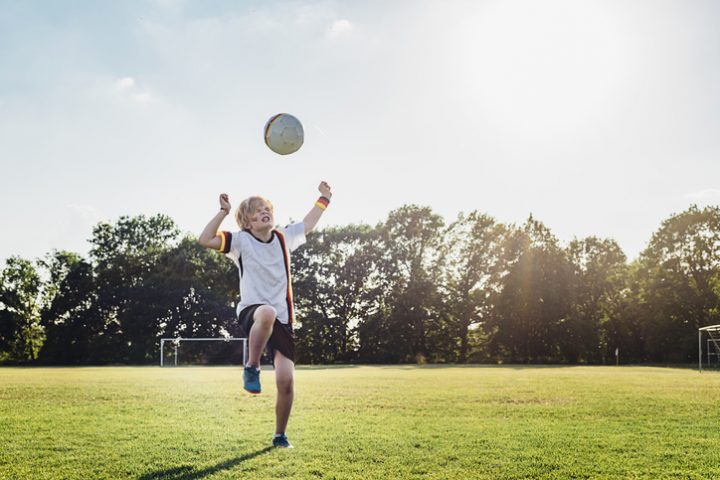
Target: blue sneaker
(281, 441)
(251, 379)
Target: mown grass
(361, 423)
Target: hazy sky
(598, 117)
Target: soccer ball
(284, 134)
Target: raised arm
(311, 219)
(209, 237)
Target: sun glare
(543, 68)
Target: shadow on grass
(455, 366)
(186, 472)
(326, 367)
(535, 366)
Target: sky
(596, 117)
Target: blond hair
(246, 209)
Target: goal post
(175, 343)
(712, 335)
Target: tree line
(413, 288)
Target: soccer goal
(711, 334)
(203, 351)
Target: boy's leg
(263, 320)
(284, 379)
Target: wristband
(322, 203)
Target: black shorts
(281, 339)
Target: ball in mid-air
(284, 134)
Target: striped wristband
(322, 202)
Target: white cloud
(125, 83)
(339, 27)
(704, 194)
(142, 97)
(127, 86)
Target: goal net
(203, 351)
(711, 335)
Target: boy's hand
(325, 189)
(225, 202)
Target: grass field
(361, 423)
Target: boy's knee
(265, 315)
(285, 386)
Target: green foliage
(600, 277)
(473, 263)
(194, 290)
(408, 290)
(335, 288)
(68, 319)
(140, 283)
(21, 334)
(532, 310)
(406, 325)
(677, 283)
(127, 256)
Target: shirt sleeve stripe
(225, 241)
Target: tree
(68, 319)
(125, 255)
(624, 329)
(600, 277)
(472, 266)
(678, 275)
(21, 334)
(196, 291)
(530, 314)
(334, 288)
(407, 324)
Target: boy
(262, 255)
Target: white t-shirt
(264, 267)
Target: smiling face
(256, 215)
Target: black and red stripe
(225, 241)
(289, 296)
